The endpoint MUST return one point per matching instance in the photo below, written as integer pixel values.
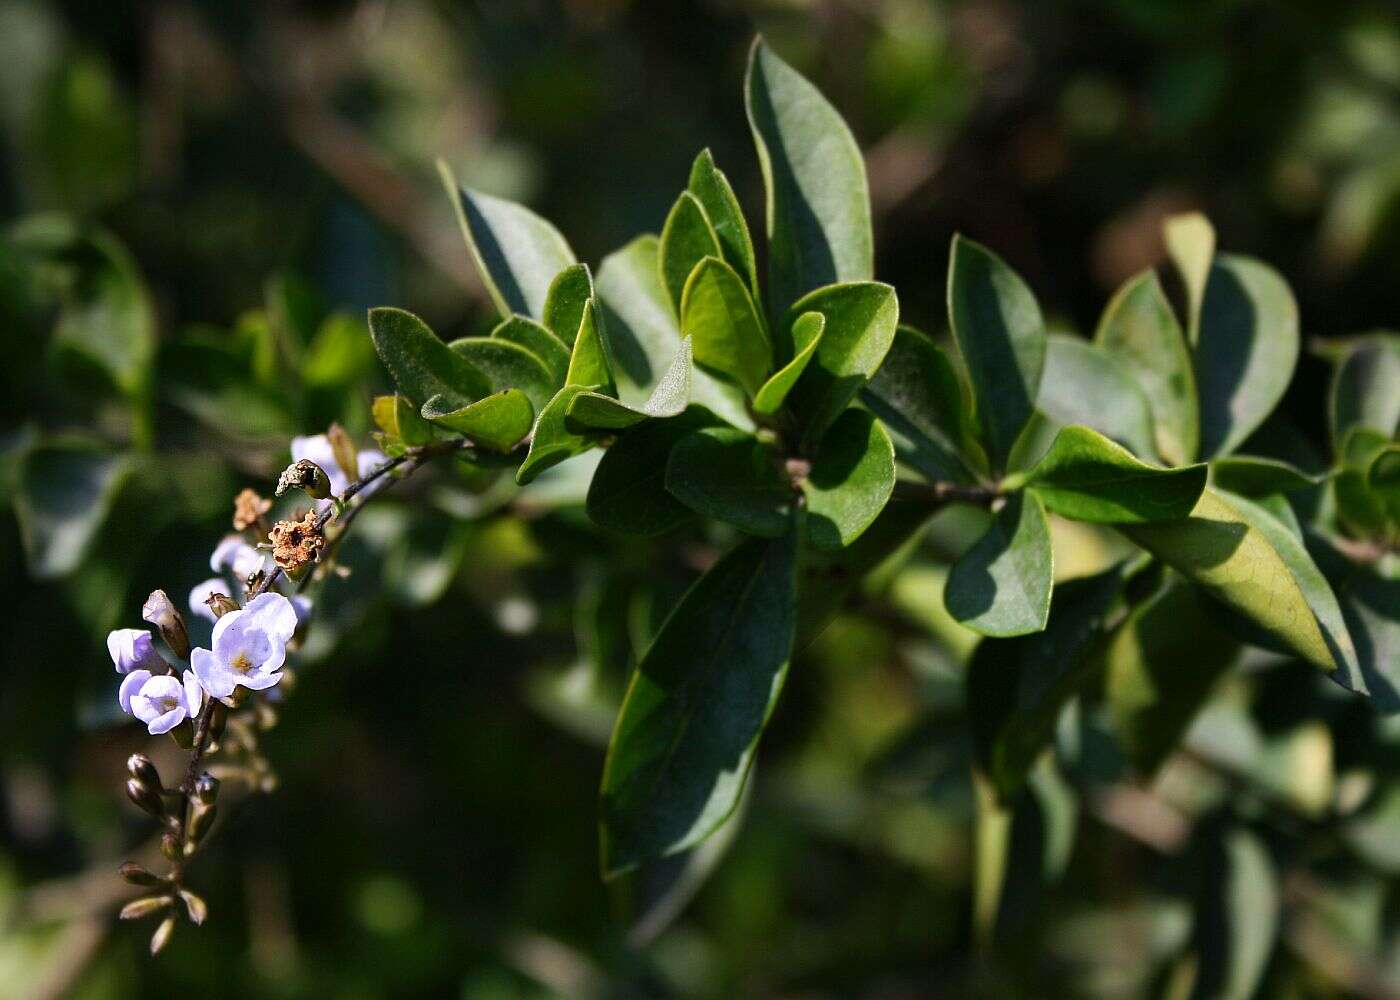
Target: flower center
(241, 663)
(169, 703)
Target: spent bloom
(132, 650)
(250, 646)
(317, 448)
(161, 701)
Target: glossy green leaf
(818, 200)
(568, 293)
(1017, 687)
(536, 339)
(1369, 600)
(719, 317)
(711, 188)
(63, 495)
(1001, 585)
(588, 365)
(1001, 335)
(595, 411)
(1190, 240)
(918, 393)
(687, 238)
(1246, 352)
(806, 337)
(422, 365)
(1365, 391)
(517, 253)
(1163, 662)
(1140, 330)
(1085, 384)
(1254, 565)
(851, 479)
(732, 476)
(861, 319)
(1251, 476)
(553, 442)
(399, 420)
(498, 421)
(1087, 477)
(628, 492)
(686, 735)
(508, 366)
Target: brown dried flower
(248, 509)
(296, 544)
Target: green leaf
(1017, 687)
(1163, 662)
(1087, 477)
(1253, 564)
(508, 366)
(861, 319)
(1140, 330)
(719, 317)
(642, 336)
(1190, 240)
(628, 491)
(568, 293)
(1238, 918)
(686, 239)
(594, 411)
(64, 493)
(1365, 391)
(731, 476)
(422, 365)
(589, 363)
(818, 199)
(545, 346)
(1001, 585)
(553, 442)
(1252, 476)
(517, 253)
(1369, 601)
(1084, 384)
(499, 421)
(1383, 480)
(917, 392)
(1247, 350)
(687, 731)
(1001, 335)
(850, 481)
(806, 336)
(711, 188)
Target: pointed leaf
(1001, 585)
(588, 364)
(1190, 240)
(731, 476)
(1086, 477)
(719, 317)
(568, 293)
(508, 366)
(553, 442)
(711, 188)
(687, 238)
(1001, 335)
(851, 480)
(517, 252)
(687, 731)
(806, 336)
(818, 199)
(628, 492)
(1084, 384)
(499, 422)
(1252, 476)
(536, 339)
(422, 365)
(1139, 329)
(594, 411)
(1369, 601)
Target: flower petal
(201, 593)
(213, 676)
(168, 721)
(131, 683)
(194, 693)
(273, 614)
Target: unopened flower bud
(145, 797)
(160, 612)
(206, 788)
(343, 448)
(305, 474)
(144, 907)
(170, 847)
(137, 875)
(139, 766)
(195, 907)
(220, 605)
(162, 935)
(201, 819)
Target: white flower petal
(166, 722)
(202, 592)
(213, 676)
(273, 614)
(131, 683)
(194, 693)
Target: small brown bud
(195, 907)
(305, 475)
(162, 613)
(170, 847)
(248, 509)
(139, 766)
(206, 788)
(220, 604)
(297, 544)
(162, 935)
(144, 907)
(343, 448)
(137, 875)
(145, 797)
(201, 819)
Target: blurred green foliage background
(230, 185)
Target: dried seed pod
(206, 788)
(139, 766)
(162, 935)
(248, 509)
(305, 475)
(297, 544)
(144, 907)
(195, 907)
(137, 875)
(145, 797)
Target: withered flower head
(305, 474)
(296, 544)
(248, 509)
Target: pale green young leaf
(498, 421)
(730, 475)
(594, 411)
(719, 317)
(1085, 384)
(1190, 240)
(851, 479)
(711, 188)
(687, 238)
(508, 366)
(588, 364)
(1001, 585)
(422, 365)
(553, 442)
(806, 336)
(568, 293)
(536, 339)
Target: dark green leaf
(594, 411)
(1084, 384)
(499, 421)
(687, 238)
(818, 200)
(508, 366)
(732, 476)
(1360, 509)
(1369, 600)
(851, 480)
(628, 492)
(719, 317)
(711, 187)
(1001, 585)
(1087, 477)
(421, 364)
(1001, 335)
(1252, 476)
(686, 735)
(545, 346)
(568, 293)
(64, 494)
(806, 336)
(1383, 480)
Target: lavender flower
(202, 592)
(250, 646)
(317, 448)
(161, 701)
(132, 649)
(233, 553)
